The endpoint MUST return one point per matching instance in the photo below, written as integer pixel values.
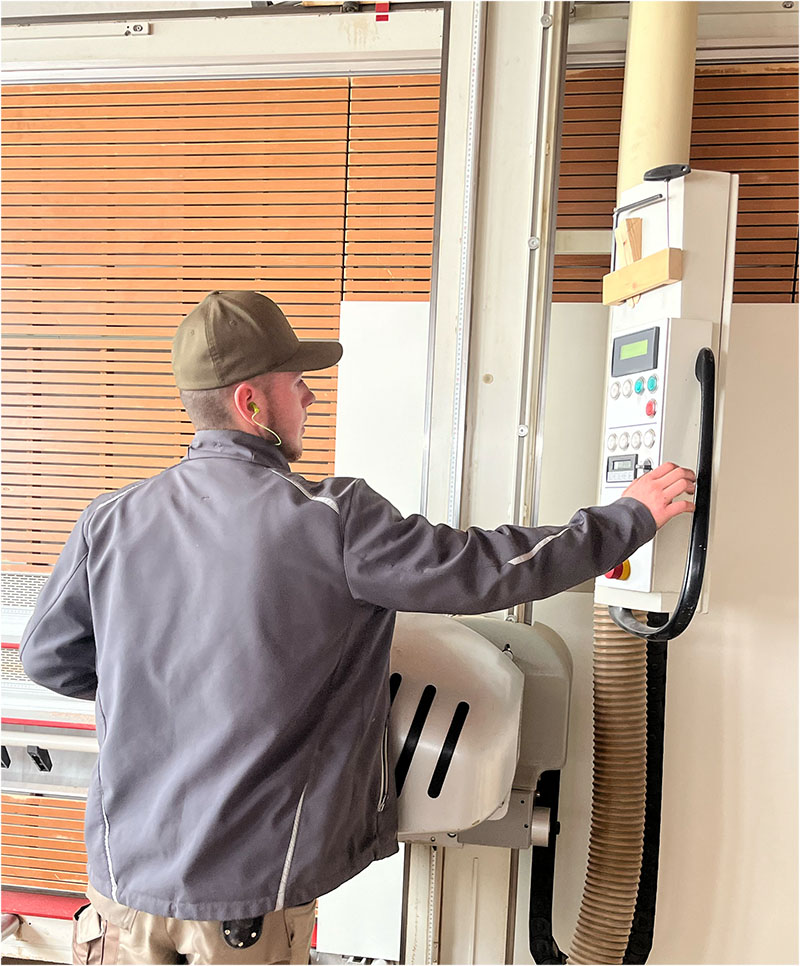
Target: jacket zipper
(384, 769)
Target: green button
(639, 387)
(652, 383)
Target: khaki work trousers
(107, 932)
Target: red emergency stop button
(650, 409)
(621, 572)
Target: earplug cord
(254, 409)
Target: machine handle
(667, 172)
(680, 618)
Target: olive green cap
(232, 336)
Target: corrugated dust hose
(619, 782)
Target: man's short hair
(213, 408)
(209, 408)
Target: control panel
(651, 377)
(652, 393)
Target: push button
(650, 409)
(652, 383)
(621, 572)
(638, 386)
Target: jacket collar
(235, 444)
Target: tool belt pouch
(241, 933)
(88, 934)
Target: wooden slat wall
(391, 184)
(43, 843)
(745, 122)
(123, 205)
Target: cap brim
(312, 354)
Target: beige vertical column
(659, 88)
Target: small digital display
(621, 469)
(637, 352)
(634, 349)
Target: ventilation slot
(448, 749)
(12, 666)
(21, 589)
(412, 738)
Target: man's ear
(243, 401)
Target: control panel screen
(621, 469)
(636, 352)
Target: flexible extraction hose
(618, 794)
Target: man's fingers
(679, 506)
(679, 473)
(678, 487)
(662, 470)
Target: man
(233, 621)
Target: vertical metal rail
(437, 227)
(555, 22)
(465, 275)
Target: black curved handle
(681, 617)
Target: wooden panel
(124, 205)
(745, 122)
(43, 843)
(391, 188)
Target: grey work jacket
(233, 622)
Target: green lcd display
(635, 352)
(634, 349)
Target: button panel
(633, 419)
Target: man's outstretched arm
(407, 563)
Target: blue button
(639, 387)
(652, 383)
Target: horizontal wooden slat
(303, 238)
(173, 88)
(157, 298)
(43, 839)
(393, 80)
(281, 151)
(102, 176)
(270, 111)
(303, 188)
(225, 202)
(111, 141)
(114, 130)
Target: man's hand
(658, 488)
